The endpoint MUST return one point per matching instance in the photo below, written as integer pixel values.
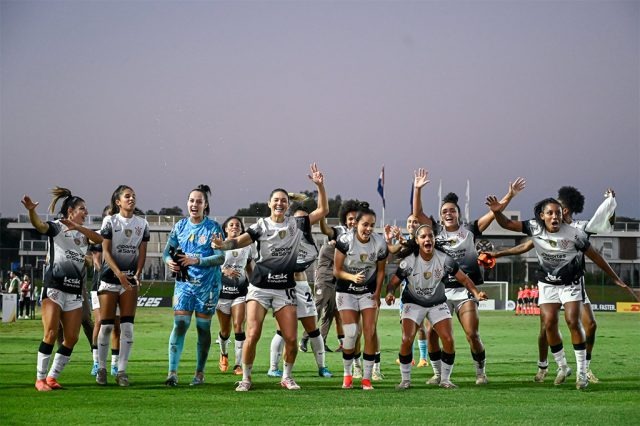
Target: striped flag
(381, 186)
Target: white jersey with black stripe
(559, 253)
(360, 257)
(126, 235)
(65, 269)
(425, 278)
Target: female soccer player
(272, 282)
(359, 270)
(232, 304)
(572, 202)
(124, 251)
(558, 247)
(458, 241)
(306, 309)
(424, 270)
(63, 281)
(189, 255)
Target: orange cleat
(53, 383)
(42, 386)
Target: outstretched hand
(216, 241)
(28, 203)
(516, 186)
(493, 203)
(316, 175)
(420, 178)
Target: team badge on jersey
(234, 253)
(564, 244)
(282, 234)
(427, 275)
(138, 231)
(372, 257)
(77, 241)
(438, 273)
(202, 239)
(128, 232)
(553, 244)
(363, 257)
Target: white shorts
(355, 302)
(306, 305)
(550, 293)
(111, 288)
(275, 299)
(417, 313)
(225, 305)
(456, 297)
(95, 303)
(66, 301)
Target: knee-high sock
(369, 360)
(317, 345)
(422, 346)
(126, 342)
(347, 363)
(447, 365)
(204, 342)
(239, 338)
(181, 324)
(44, 356)
(224, 343)
(277, 346)
(405, 366)
(436, 362)
(104, 337)
(60, 361)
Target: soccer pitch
(511, 397)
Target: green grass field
(510, 398)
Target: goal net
(497, 293)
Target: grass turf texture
(510, 398)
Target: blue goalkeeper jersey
(195, 241)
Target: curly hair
(347, 207)
(571, 199)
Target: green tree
(171, 211)
(261, 209)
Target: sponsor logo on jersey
(128, 232)
(191, 238)
(282, 234)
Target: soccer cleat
(94, 369)
(42, 386)
(582, 381)
(197, 380)
(540, 375)
(404, 385)
(562, 375)
(122, 379)
(303, 345)
(324, 372)
(481, 379)
(223, 364)
(243, 386)
(366, 384)
(377, 376)
(357, 370)
(591, 377)
(114, 370)
(423, 363)
(237, 370)
(172, 380)
(101, 376)
(447, 385)
(434, 380)
(274, 373)
(347, 382)
(53, 383)
(289, 384)
(397, 361)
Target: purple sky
(243, 96)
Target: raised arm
(327, 230)
(605, 214)
(93, 236)
(219, 243)
(514, 189)
(30, 205)
(496, 207)
(323, 203)
(393, 233)
(420, 179)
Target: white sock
(104, 337)
(436, 365)
(59, 362)
(277, 345)
(317, 345)
(114, 359)
(238, 347)
(42, 365)
(126, 342)
(347, 364)
(288, 368)
(95, 355)
(405, 371)
(224, 343)
(246, 372)
(446, 372)
(561, 360)
(581, 361)
(368, 369)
